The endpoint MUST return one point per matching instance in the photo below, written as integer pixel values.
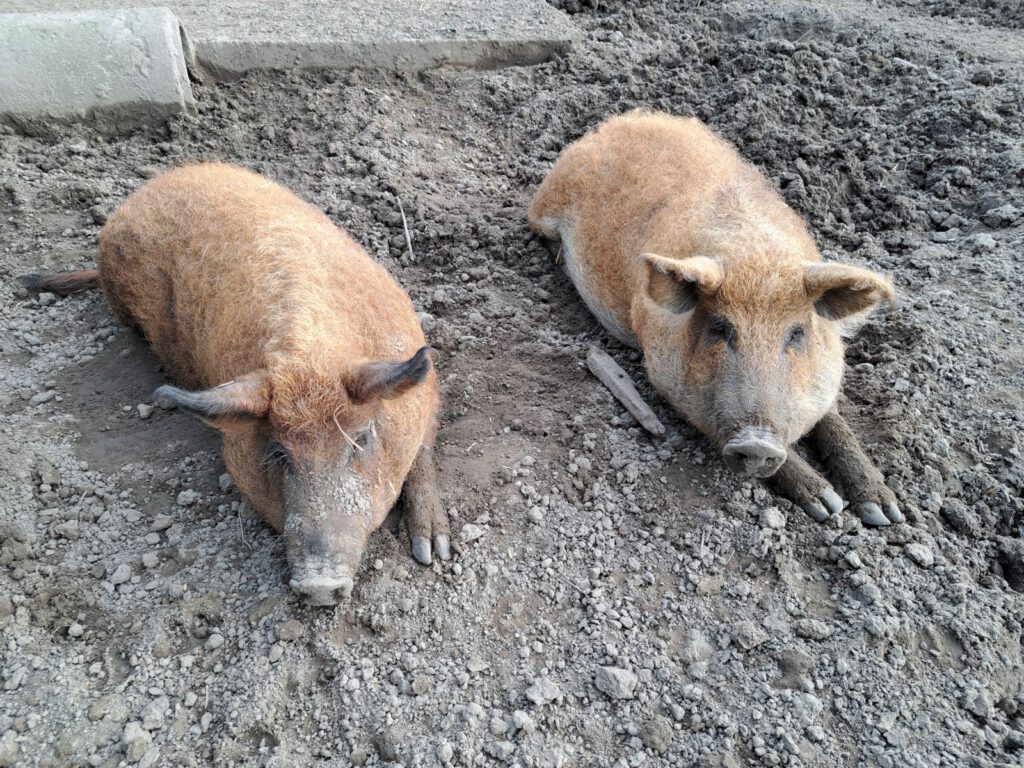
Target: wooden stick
(619, 384)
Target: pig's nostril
(754, 457)
(323, 590)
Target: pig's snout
(754, 453)
(324, 585)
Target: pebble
(161, 523)
(748, 635)
(445, 752)
(812, 629)
(543, 691)
(695, 647)
(978, 702)
(657, 734)
(76, 630)
(276, 652)
(151, 560)
(121, 574)
(500, 750)
(471, 532)
(42, 397)
(772, 517)
(404, 604)
(145, 410)
(226, 482)
(290, 630)
(10, 750)
(214, 641)
(422, 684)
(920, 554)
(136, 741)
(187, 498)
(616, 682)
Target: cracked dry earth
(614, 600)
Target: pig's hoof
(442, 546)
(871, 514)
(827, 504)
(323, 590)
(892, 511)
(421, 550)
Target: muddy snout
(754, 453)
(323, 568)
(321, 582)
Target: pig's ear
(230, 405)
(845, 293)
(388, 380)
(677, 284)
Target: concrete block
(232, 38)
(119, 69)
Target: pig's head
(313, 450)
(750, 350)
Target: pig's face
(308, 449)
(752, 353)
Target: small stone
(151, 560)
(404, 604)
(979, 703)
(76, 630)
(187, 498)
(536, 515)
(214, 641)
(145, 410)
(276, 652)
(161, 523)
(748, 635)
(543, 691)
(523, 722)
(445, 752)
(920, 554)
(812, 629)
(500, 750)
(290, 630)
(617, 683)
(422, 684)
(136, 741)
(226, 482)
(358, 756)
(695, 647)
(121, 574)
(471, 532)
(42, 397)
(772, 517)
(153, 714)
(657, 734)
(10, 750)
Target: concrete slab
(231, 37)
(117, 68)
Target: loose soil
(145, 612)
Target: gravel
(580, 543)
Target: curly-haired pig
(287, 337)
(681, 248)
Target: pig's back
(220, 268)
(612, 194)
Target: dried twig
(620, 385)
(405, 226)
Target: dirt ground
(144, 609)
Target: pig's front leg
(424, 512)
(840, 450)
(800, 483)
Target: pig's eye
(720, 329)
(276, 455)
(365, 439)
(796, 336)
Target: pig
(684, 250)
(282, 333)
